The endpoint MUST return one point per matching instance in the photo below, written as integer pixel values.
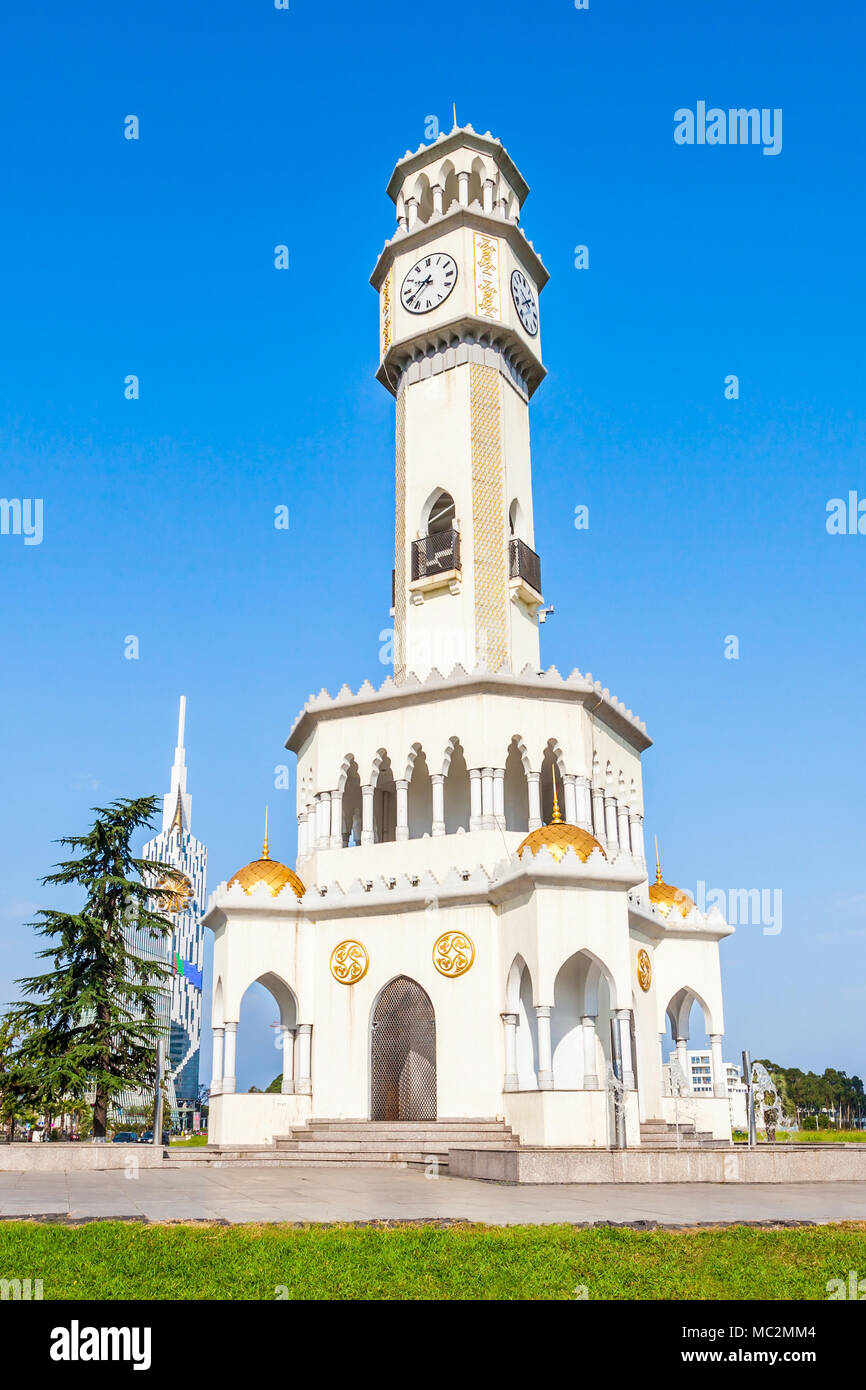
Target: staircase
(406, 1143)
(659, 1134)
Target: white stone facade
(529, 983)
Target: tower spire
(266, 854)
(658, 865)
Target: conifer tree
(91, 1025)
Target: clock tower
(460, 350)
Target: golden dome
(268, 871)
(665, 896)
(559, 836)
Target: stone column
(590, 1060)
(438, 192)
(623, 1017)
(610, 819)
(598, 826)
(570, 798)
(367, 835)
(683, 1059)
(463, 188)
(231, 1039)
(304, 1083)
(412, 211)
(402, 832)
(487, 819)
(302, 835)
(636, 829)
(475, 798)
(288, 1085)
(623, 828)
(511, 1082)
(584, 803)
(533, 783)
(324, 820)
(336, 820)
(720, 1080)
(499, 796)
(216, 1081)
(438, 780)
(545, 1060)
(487, 195)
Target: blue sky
(707, 516)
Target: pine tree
(91, 1026)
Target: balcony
(435, 564)
(435, 555)
(524, 571)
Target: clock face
(429, 283)
(524, 302)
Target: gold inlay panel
(489, 535)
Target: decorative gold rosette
(178, 896)
(349, 962)
(453, 954)
(644, 970)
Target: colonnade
(297, 1056)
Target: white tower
(460, 350)
(176, 845)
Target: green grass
(117, 1260)
(195, 1141)
(808, 1136)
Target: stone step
(389, 1145)
(406, 1126)
(355, 1136)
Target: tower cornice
(459, 216)
(462, 137)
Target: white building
(177, 846)
(469, 930)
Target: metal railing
(524, 564)
(436, 554)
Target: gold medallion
(644, 970)
(453, 954)
(349, 962)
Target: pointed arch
(516, 785)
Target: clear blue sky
(707, 516)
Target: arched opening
(384, 800)
(439, 513)
(515, 521)
(687, 1055)
(420, 795)
(516, 788)
(403, 1054)
(424, 195)
(351, 789)
(448, 179)
(519, 996)
(476, 180)
(552, 760)
(581, 1051)
(265, 1036)
(457, 804)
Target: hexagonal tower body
(460, 350)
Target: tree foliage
(90, 1026)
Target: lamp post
(157, 1109)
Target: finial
(454, 108)
(556, 818)
(266, 854)
(177, 822)
(658, 866)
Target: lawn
(118, 1260)
(808, 1136)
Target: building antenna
(454, 108)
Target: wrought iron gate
(403, 1054)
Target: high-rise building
(177, 846)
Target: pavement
(303, 1195)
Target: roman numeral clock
(460, 350)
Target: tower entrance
(403, 1054)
